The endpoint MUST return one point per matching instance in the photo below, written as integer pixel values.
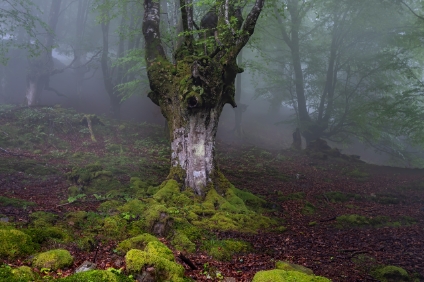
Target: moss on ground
(165, 269)
(41, 235)
(138, 242)
(390, 273)
(12, 202)
(53, 259)
(355, 220)
(19, 274)
(225, 249)
(285, 265)
(41, 219)
(97, 276)
(15, 243)
(278, 275)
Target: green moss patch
(166, 269)
(97, 276)
(20, 274)
(390, 273)
(355, 220)
(12, 202)
(278, 275)
(41, 235)
(285, 265)
(138, 242)
(54, 259)
(15, 243)
(225, 249)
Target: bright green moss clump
(284, 265)
(15, 243)
(20, 274)
(278, 275)
(138, 242)
(53, 259)
(97, 276)
(23, 273)
(165, 270)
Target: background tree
(42, 68)
(344, 56)
(192, 92)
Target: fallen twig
(186, 260)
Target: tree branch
(249, 24)
(151, 21)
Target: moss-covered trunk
(192, 91)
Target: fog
(347, 82)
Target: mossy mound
(278, 275)
(43, 219)
(138, 242)
(41, 235)
(390, 273)
(137, 261)
(20, 274)
(14, 243)
(53, 259)
(284, 265)
(23, 273)
(97, 276)
(93, 178)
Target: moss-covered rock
(390, 273)
(53, 259)
(165, 270)
(138, 242)
(278, 275)
(285, 265)
(14, 243)
(109, 207)
(97, 276)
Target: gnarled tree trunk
(192, 92)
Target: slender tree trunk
(41, 69)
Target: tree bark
(41, 68)
(192, 92)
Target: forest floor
(343, 217)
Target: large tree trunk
(193, 91)
(193, 147)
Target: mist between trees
(345, 71)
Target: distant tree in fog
(345, 67)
